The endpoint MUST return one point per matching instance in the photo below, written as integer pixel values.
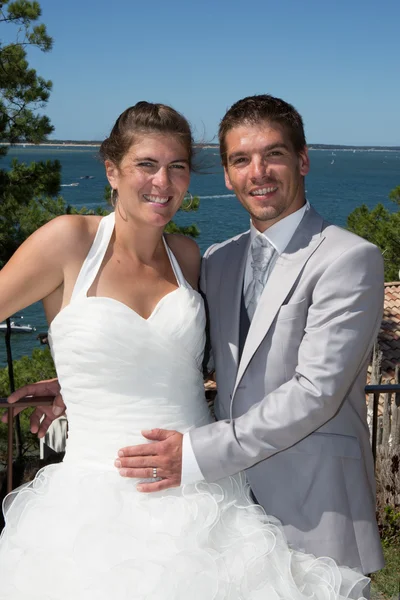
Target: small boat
(17, 328)
(87, 177)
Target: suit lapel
(286, 271)
(230, 293)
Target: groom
(295, 305)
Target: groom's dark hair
(253, 110)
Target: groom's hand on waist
(162, 458)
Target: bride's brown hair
(144, 118)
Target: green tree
(381, 227)
(23, 92)
(25, 190)
(28, 193)
(394, 195)
(29, 369)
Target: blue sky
(336, 61)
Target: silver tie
(262, 252)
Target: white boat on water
(17, 328)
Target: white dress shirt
(279, 235)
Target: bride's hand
(164, 455)
(42, 416)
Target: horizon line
(57, 142)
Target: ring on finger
(154, 472)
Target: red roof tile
(389, 335)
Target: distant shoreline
(63, 144)
(93, 144)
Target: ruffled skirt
(87, 534)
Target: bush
(29, 369)
(389, 525)
(380, 226)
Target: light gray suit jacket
(292, 411)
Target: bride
(126, 330)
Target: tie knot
(261, 252)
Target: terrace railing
(26, 402)
(386, 426)
(376, 390)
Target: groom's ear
(304, 161)
(227, 180)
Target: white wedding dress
(80, 531)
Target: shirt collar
(280, 234)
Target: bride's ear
(112, 173)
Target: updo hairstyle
(141, 119)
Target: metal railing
(377, 390)
(28, 402)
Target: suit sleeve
(342, 323)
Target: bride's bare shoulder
(72, 234)
(39, 266)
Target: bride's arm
(36, 271)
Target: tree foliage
(28, 193)
(29, 369)
(23, 91)
(394, 195)
(381, 227)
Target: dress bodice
(121, 373)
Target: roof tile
(389, 335)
